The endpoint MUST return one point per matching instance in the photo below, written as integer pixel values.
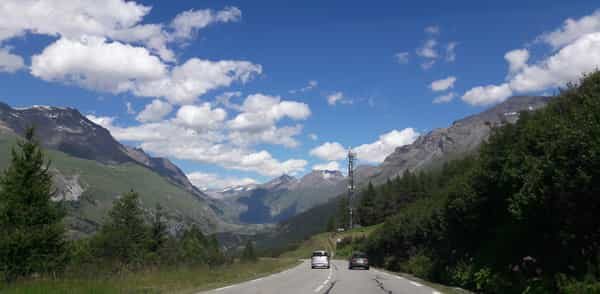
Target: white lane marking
(401, 278)
(416, 284)
(256, 280)
(436, 292)
(318, 289)
(221, 289)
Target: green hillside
(103, 183)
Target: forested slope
(519, 216)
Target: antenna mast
(351, 159)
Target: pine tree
(158, 231)
(124, 235)
(31, 229)
(367, 209)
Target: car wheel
(368, 268)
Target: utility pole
(351, 159)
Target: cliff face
(463, 136)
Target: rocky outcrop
(463, 136)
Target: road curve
(336, 280)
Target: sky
(238, 92)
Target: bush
(249, 255)
(420, 265)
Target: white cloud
(225, 100)
(377, 151)
(487, 95)
(329, 151)
(566, 65)
(402, 57)
(451, 51)
(195, 77)
(334, 98)
(572, 30)
(311, 85)
(94, 63)
(433, 30)
(71, 19)
(200, 117)
(428, 50)
(444, 98)
(188, 22)
(273, 135)
(173, 140)
(117, 20)
(154, 111)
(330, 166)
(261, 111)
(443, 84)
(517, 60)
(103, 46)
(10, 62)
(213, 181)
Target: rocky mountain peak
(67, 130)
(463, 136)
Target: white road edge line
(416, 284)
(221, 289)
(436, 292)
(318, 288)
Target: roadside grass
(317, 242)
(177, 280)
(441, 288)
(327, 241)
(344, 252)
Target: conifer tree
(124, 235)
(31, 229)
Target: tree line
(521, 215)
(32, 231)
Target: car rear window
(359, 255)
(318, 253)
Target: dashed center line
(318, 289)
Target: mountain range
(92, 169)
(428, 151)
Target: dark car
(358, 259)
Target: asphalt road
(336, 280)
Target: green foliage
(30, 222)
(124, 236)
(519, 216)
(419, 265)
(367, 211)
(249, 255)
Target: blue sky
(288, 60)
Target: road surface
(336, 280)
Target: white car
(319, 259)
